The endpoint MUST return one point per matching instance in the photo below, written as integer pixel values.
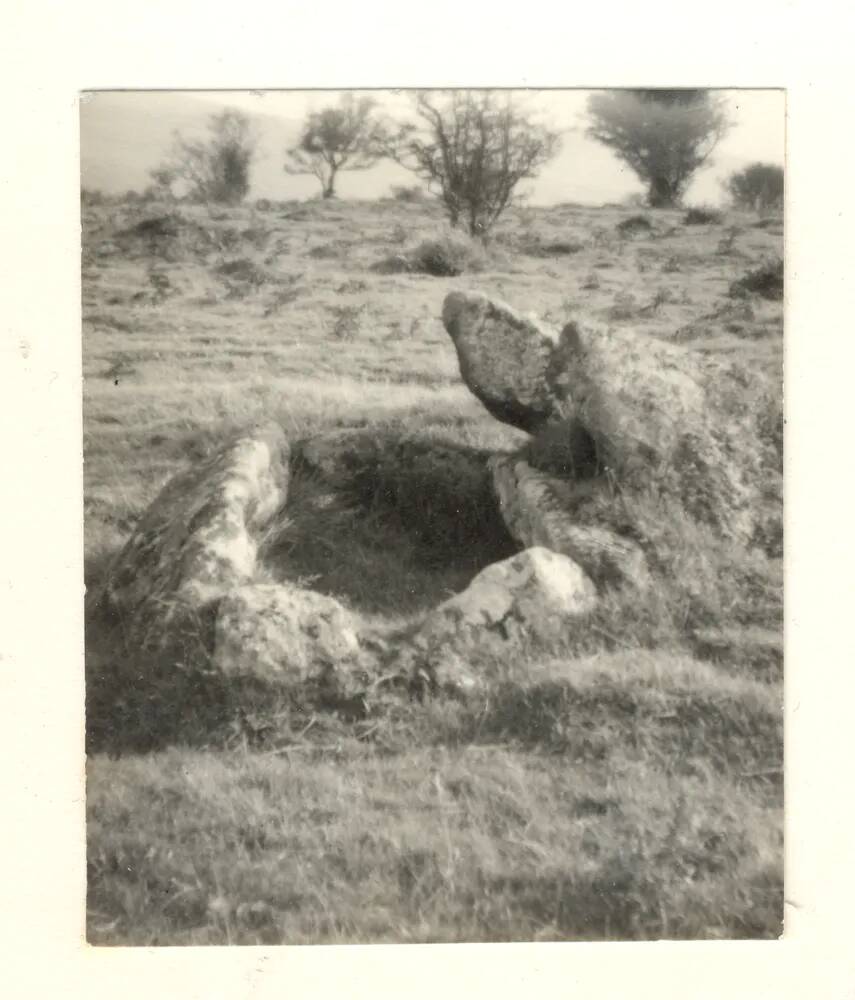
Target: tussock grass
(702, 215)
(766, 281)
(444, 254)
(634, 224)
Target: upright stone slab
(658, 416)
(504, 358)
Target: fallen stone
(199, 538)
(537, 509)
(282, 634)
(532, 597)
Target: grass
(638, 799)
(625, 785)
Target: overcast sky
(124, 134)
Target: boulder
(504, 358)
(282, 634)
(537, 509)
(199, 538)
(532, 597)
(656, 415)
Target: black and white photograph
(433, 515)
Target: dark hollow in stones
(388, 523)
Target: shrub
(759, 186)
(634, 224)
(444, 255)
(408, 193)
(91, 196)
(448, 255)
(241, 276)
(214, 169)
(701, 215)
(766, 281)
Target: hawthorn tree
(215, 169)
(337, 138)
(759, 186)
(664, 136)
(474, 147)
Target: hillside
(627, 784)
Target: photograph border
(93, 46)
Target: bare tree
(475, 147)
(215, 169)
(336, 138)
(664, 136)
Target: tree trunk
(662, 193)
(329, 189)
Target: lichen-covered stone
(199, 537)
(282, 634)
(537, 509)
(658, 416)
(532, 597)
(504, 358)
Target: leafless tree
(474, 147)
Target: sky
(125, 134)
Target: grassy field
(626, 785)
